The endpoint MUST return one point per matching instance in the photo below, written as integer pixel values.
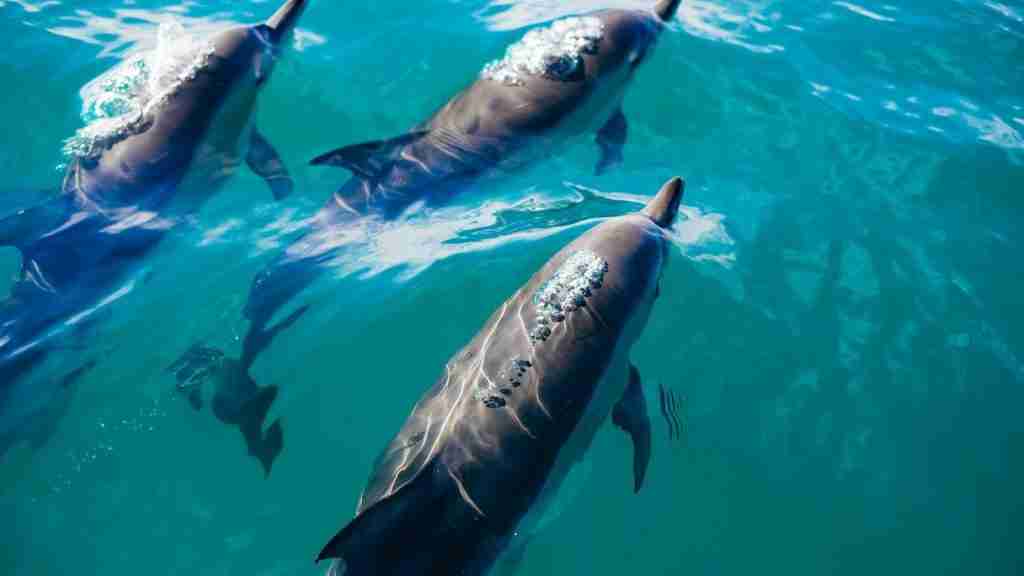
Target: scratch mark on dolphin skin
(345, 206)
(536, 392)
(522, 324)
(426, 432)
(539, 376)
(465, 495)
(483, 372)
(39, 279)
(72, 221)
(411, 158)
(481, 366)
(598, 317)
(447, 376)
(407, 458)
(398, 472)
(462, 389)
(519, 422)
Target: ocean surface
(842, 318)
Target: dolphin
(555, 84)
(468, 478)
(119, 199)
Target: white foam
(864, 12)
(554, 52)
(30, 7)
(411, 244)
(121, 101)
(702, 18)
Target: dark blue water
(842, 312)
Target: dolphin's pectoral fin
(369, 159)
(25, 226)
(265, 162)
(630, 414)
(611, 138)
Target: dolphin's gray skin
(507, 118)
(486, 449)
(118, 201)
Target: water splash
(857, 9)
(555, 52)
(424, 237)
(30, 7)
(122, 101)
(710, 20)
(133, 30)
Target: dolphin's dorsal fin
(285, 18)
(419, 529)
(368, 159)
(666, 9)
(630, 415)
(665, 206)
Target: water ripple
(716, 21)
(30, 7)
(424, 237)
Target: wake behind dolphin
(128, 183)
(467, 481)
(556, 84)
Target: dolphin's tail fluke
(665, 206)
(420, 529)
(283, 21)
(237, 399)
(666, 9)
(264, 446)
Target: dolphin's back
(492, 109)
(448, 491)
(475, 454)
(150, 159)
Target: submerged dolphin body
(467, 479)
(555, 84)
(121, 196)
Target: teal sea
(842, 316)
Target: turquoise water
(841, 311)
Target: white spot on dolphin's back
(567, 291)
(555, 52)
